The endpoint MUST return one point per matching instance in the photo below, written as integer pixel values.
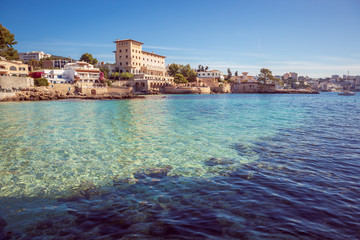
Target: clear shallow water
(183, 167)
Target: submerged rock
(219, 161)
(154, 172)
(3, 224)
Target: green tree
(34, 63)
(236, 73)
(192, 76)
(7, 40)
(105, 71)
(41, 82)
(266, 77)
(185, 70)
(229, 74)
(173, 69)
(87, 57)
(126, 75)
(115, 76)
(179, 78)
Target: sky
(315, 38)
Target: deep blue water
(231, 166)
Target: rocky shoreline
(34, 94)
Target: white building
(209, 74)
(33, 55)
(56, 76)
(81, 72)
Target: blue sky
(317, 38)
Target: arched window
(12, 68)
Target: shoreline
(41, 95)
(36, 95)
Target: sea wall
(93, 91)
(62, 87)
(7, 82)
(119, 90)
(221, 89)
(182, 90)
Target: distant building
(244, 78)
(335, 77)
(55, 63)
(209, 74)
(37, 55)
(294, 75)
(290, 75)
(13, 68)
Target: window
(120, 50)
(120, 57)
(126, 56)
(133, 50)
(208, 74)
(127, 63)
(120, 63)
(125, 50)
(12, 68)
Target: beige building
(13, 68)
(147, 67)
(244, 78)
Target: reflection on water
(184, 167)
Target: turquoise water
(143, 150)
(49, 148)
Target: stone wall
(62, 87)
(7, 82)
(221, 89)
(119, 90)
(204, 90)
(93, 91)
(120, 83)
(245, 88)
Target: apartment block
(37, 55)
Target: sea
(219, 166)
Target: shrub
(41, 82)
(109, 83)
